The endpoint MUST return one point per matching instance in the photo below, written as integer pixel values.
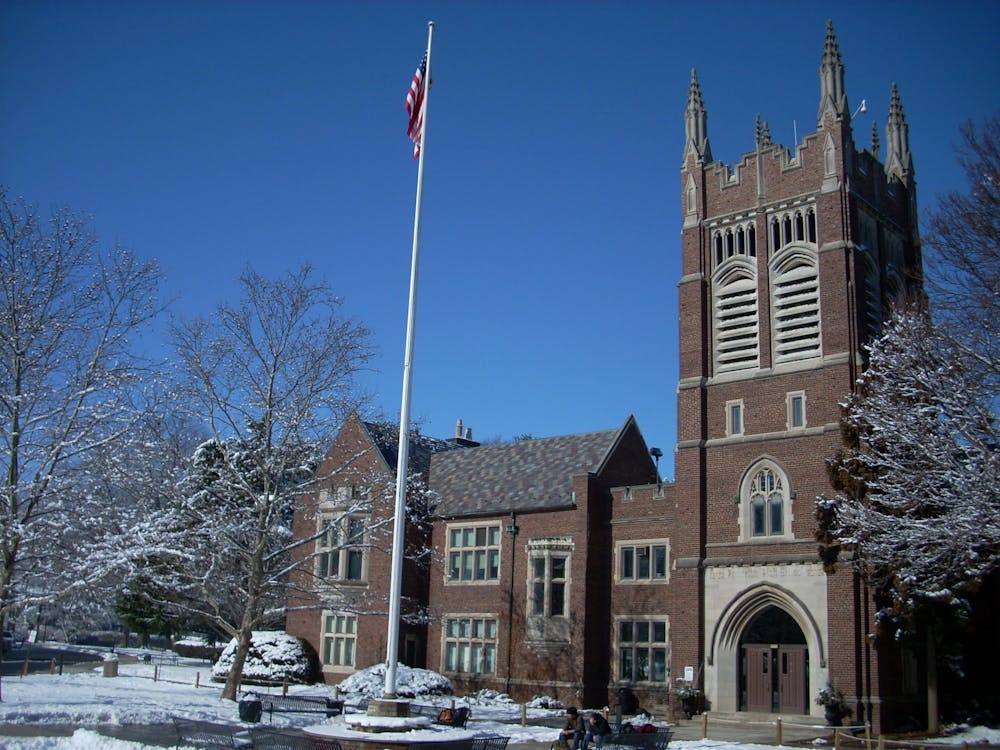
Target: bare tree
(963, 240)
(70, 380)
(272, 378)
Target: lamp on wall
(657, 454)
(512, 529)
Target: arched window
(764, 498)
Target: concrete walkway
(754, 729)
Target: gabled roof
(522, 476)
(385, 436)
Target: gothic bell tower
(790, 258)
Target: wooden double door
(775, 678)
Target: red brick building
(563, 566)
(338, 600)
(520, 589)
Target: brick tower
(790, 259)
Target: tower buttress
(762, 140)
(696, 123)
(898, 161)
(832, 94)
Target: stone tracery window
(765, 501)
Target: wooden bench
(267, 738)
(294, 704)
(207, 734)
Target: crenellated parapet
(823, 162)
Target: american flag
(415, 105)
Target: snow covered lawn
(134, 698)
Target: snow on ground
(133, 697)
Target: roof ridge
(528, 441)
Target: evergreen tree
(918, 503)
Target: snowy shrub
(197, 647)
(410, 682)
(487, 697)
(544, 701)
(274, 657)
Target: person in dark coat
(572, 732)
(597, 729)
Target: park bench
(462, 744)
(459, 715)
(360, 707)
(268, 738)
(490, 742)
(293, 704)
(160, 657)
(658, 740)
(192, 733)
(419, 709)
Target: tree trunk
(5, 586)
(232, 688)
(244, 635)
(933, 714)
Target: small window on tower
(796, 411)
(734, 418)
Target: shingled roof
(521, 476)
(386, 439)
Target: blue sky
(217, 135)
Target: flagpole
(402, 461)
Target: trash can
(111, 665)
(627, 701)
(250, 710)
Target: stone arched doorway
(790, 618)
(774, 664)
